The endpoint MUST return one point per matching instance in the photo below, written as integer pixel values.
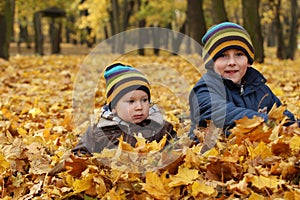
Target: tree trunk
(293, 30)
(219, 12)
(251, 20)
(271, 39)
(116, 27)
(23, 36)
(6, 20)
(120, 24)
(141, 37)
(177, 40)
(188, 49)
(156, 36)
(280, 53)
(196, 21)
(38, 34)
(55, 36)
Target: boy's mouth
(138, 116)
(231, 71)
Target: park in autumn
(53, 90)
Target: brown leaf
(223, 171)
(76, 165)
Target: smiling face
(232, 64)
(133, 107)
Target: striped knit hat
(120, 79)
(224, 36)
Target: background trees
(269, 22)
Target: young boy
(126, 113)
(231, 88)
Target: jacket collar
(110, 119)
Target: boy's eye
(240, 54)
(130, 101)
(145, 100)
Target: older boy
(231, 88)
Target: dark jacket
(110, 128)
(222, 101)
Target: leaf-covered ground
(258, 161)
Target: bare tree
(280, 53)
(251, 20)
(6, 21)
(219, 12)
(294, 26)
(141, 37)
(196, 21)
(119, 19)
(39, 38)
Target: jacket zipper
(242, 90)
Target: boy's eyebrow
(135, 97)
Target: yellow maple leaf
(100, 186)
(198, 187)
(154, 146)
(192, 156)
(240, 187)
(263, 182)
(261, 150)
(115, 194)
(142, 146)
(245, 125)
(21, 131)
(276, 113)
(124, 145)
(184, 176)
(4, 164)
(291, 195)
(157, 186)
(83, 184)
(295, 142)
(140, 141)
(34, 112)
(255, 196)
(278, 91)
(211, 152)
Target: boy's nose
(231, 60)
(138, 105)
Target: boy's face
(133, 107)
(232, 64)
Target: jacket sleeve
(86, 143)
(171, 133)
(95, 139)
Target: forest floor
(38, 129)
(66, 49)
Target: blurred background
(75, 26)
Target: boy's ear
(114, 111)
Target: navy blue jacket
(221, 101)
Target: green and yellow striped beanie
(224, 36)
(121, 79)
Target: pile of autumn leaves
(258, 160)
